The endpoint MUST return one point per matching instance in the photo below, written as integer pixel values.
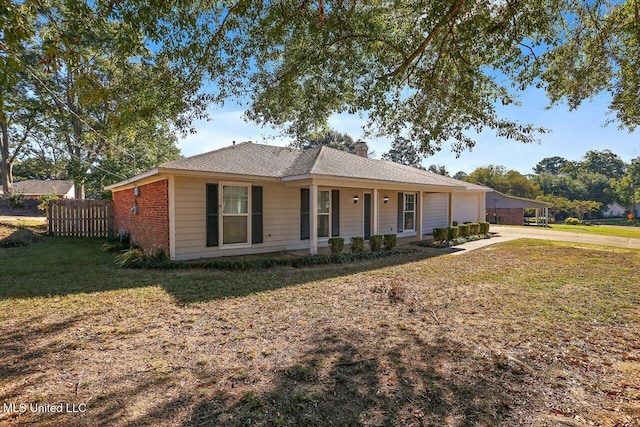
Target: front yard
(520, 333)
(602, 230)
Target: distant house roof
(36, 187)
(289, 164)
(496, 199)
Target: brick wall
(510, 216)
(149, 228)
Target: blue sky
(572, 135)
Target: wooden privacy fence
(80, 218)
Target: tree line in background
(572, 187)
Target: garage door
(435, 213)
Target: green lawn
(605, 230)
(521, 333)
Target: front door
(367, 216)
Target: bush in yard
(452, 232)
(375, 242)
(463, 230)
(484, 227)
(336, 244)
(44, 201)
(474, 228)
(133, 258)
(454, 223)
(390, 241)
(440, 234)
(572, 221)
(16, 200)
(357, 244)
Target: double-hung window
(324, 213)
(235, 214)
(409, 211)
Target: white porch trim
(313, 220)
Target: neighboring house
(36, 188)
(509, 210)
(614, 210)
(252, 198)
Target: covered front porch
(410, 212)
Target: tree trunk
(79, 190)
(5, 166)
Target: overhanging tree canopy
(433, 71)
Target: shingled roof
(248, 158)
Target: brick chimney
(362, 149)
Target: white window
(235, 214)
(324, 213)
(409, 211)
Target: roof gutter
(133, 179)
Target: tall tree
(627, 189)
(19, 120)
(559, 185)
(439, 169)
(404, 152)
(604, 162)
(551, 165)
(330, 138)
(509, 182)
(461, 175)
(152, 146)
(101, 85)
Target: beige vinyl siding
(388, 212)
(281, 220)
(281, 217)
(351, 214)
(467, 207)
(435, 213)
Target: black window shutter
(256, 214)
(305, 225)
(212, 214)
(400, 212)
(335, 213)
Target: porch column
(171, 196)
(419, 215)
(546, 216)
(313, 220)
(450, 219)
(375, 211)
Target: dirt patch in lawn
(527, 333)
(16, 233)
